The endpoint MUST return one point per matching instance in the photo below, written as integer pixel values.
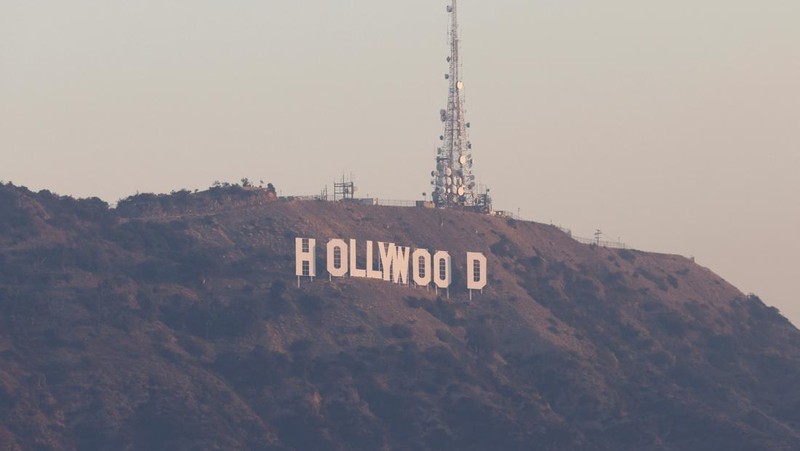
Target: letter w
(394, 260)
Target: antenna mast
(453, 181)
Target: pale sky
(672, 125)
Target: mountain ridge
(175, 321)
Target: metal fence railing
(593, 241)
(396, 203)
(601, 243)
(504, 214)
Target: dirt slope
(174, 322)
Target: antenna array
(453, 180)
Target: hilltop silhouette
(175, 322)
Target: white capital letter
(339, 247)
(476, 271)
(387, 252)
(354, 271)
(441, 269)
(372, 273)
(305, 257)
(400, 264)
(421, 267)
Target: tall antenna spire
(453, 181)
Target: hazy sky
(673, 125)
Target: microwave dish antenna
(454, 157)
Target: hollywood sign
(388, 262)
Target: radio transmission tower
(453, 181)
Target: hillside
(175, 322)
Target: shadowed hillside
(174, 322)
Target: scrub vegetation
(176, 322)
